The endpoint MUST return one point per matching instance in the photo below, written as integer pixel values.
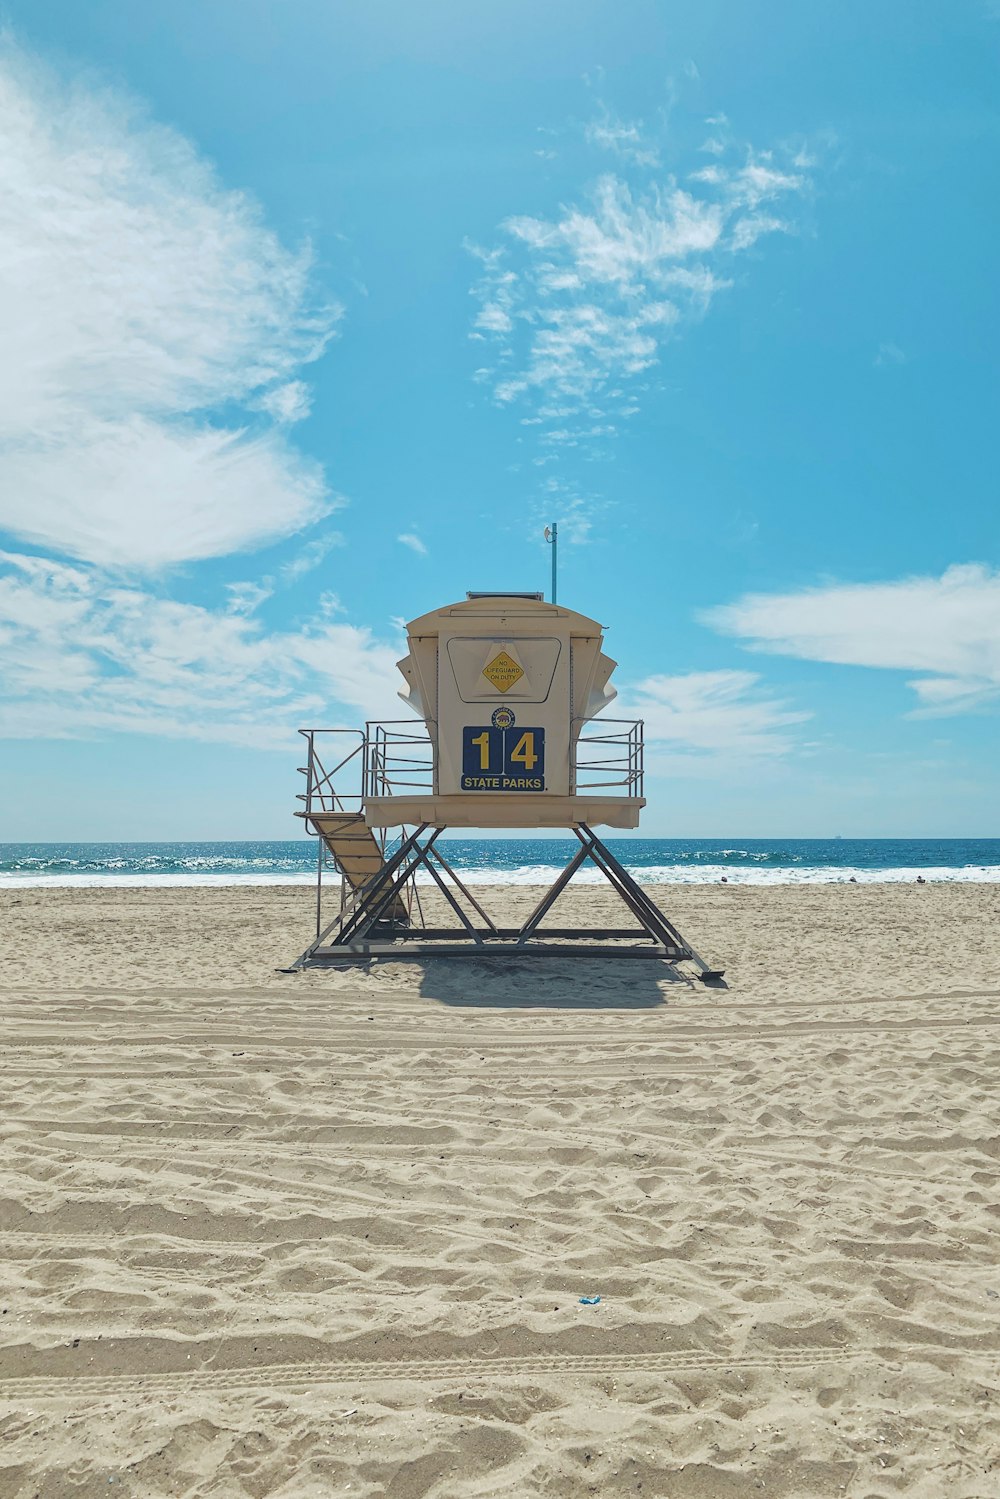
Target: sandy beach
(328, 1233)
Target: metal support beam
(551, 895)
(439, 856)
(350, 937)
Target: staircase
(355, 851)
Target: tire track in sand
(292, 1377)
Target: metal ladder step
(355, 850)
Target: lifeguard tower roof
(504, 593)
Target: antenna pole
(552, 537)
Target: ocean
(522, 861)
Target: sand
(327, 1234)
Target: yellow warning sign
(503, 672)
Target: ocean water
(656, 861)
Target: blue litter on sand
(589, 1300)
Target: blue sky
(316, 313)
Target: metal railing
(320, 794)
(395, 757)
(609, 760)
(399, 759)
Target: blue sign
(503, 758)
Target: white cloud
(247, 597)
(574, 509)
(585, 344)
(747, 231)
(575, 308)
(288, 403)
(137, 298)
(627, 141)
(493, 319)
(84, 656)
(144, 493)
(946, 628)
(311, 556)
(890, 353)
(584, 300)
(414, 543)
(723, 714)
(621, 240)
(757, 181)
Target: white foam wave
(96, 881)
(544, 874)
(711, 874)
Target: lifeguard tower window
(509, 593)
(488, 668)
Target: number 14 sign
(501, 757)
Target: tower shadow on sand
(553, 984)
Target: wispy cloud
(139, 299)
(627, 141)
(288, 403)
(409, 539)
(577, 302)
(947, 629)
(574, 507)
(575, 308)
(890, 353)
(247, 597)
(311, 556)
(711, 723)
(85, 656)
(718, 715)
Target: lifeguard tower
(506, 689)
